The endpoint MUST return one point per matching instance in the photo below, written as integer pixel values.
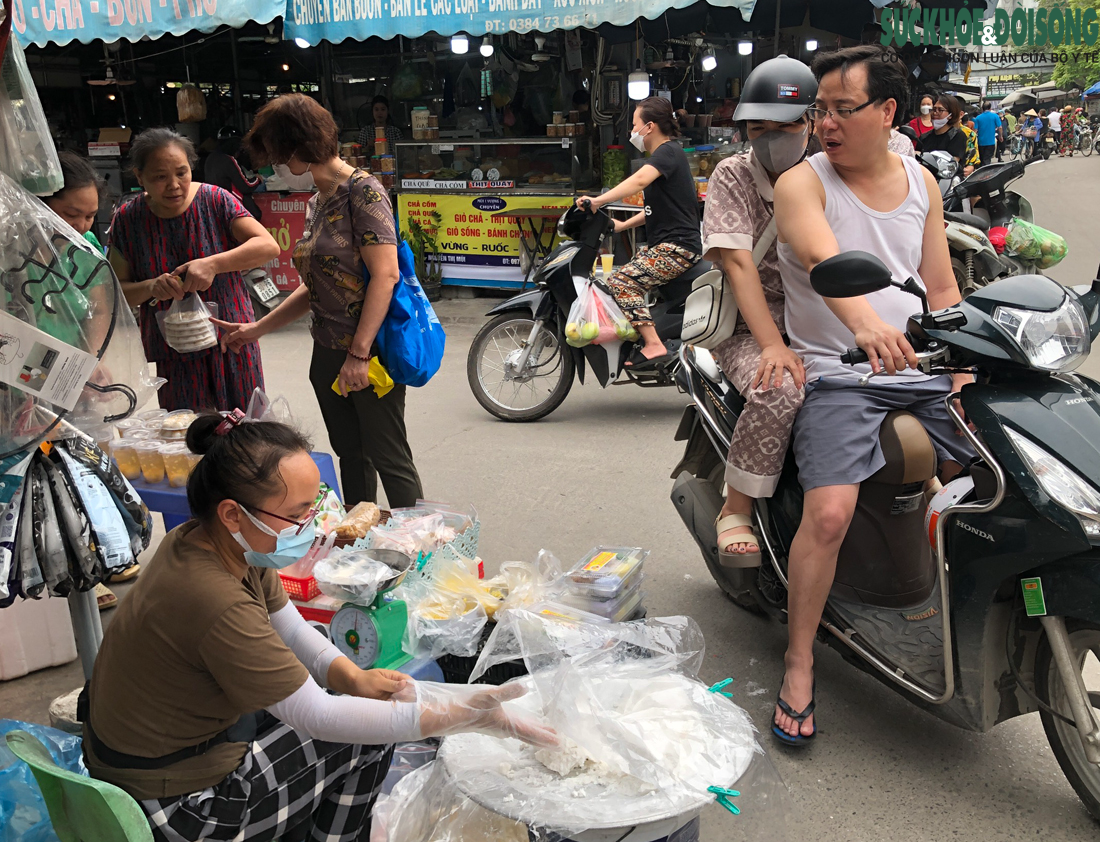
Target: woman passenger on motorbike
(739, 236)
(671, 218)
(946, 135)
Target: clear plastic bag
(263, 408)
(414, 534)
(186, 324)
(1033, 242)
(448, 610)
(595, 319)
(27, 151)
(353, 576)
(23, 813)
(528, 583)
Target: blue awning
(336, 20)
(1094, 90)
(43, 22)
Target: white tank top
(895, 237)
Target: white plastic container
(35, 634)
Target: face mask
(926, 109)
(297, 183)
(637, 141)
(940, 123)
(289, 547)
(779, 151)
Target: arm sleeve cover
(347, 719)
(312, 648)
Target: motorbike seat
(679, 287)
(967, 219)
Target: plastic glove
(457, 708)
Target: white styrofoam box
(35, 634)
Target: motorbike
(983, 605)
(1083, 138)
(520, 367)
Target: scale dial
(355, 635)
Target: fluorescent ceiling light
(460, 44)
(811, 44)
(744, 48)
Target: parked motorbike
(520, 367)
(1083, 139)
(985, 606)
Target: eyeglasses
(940, 111)
(836, 113)
(301, 524)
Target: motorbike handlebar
(854, 356)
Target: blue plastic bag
(411, 339)
(23, 813)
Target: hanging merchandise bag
(191, 104)
(76, 532)
(110, 538)
(186, 324)
(48, 545)
(411, 340)
(595, 319)
(34, 577)
(27, 151)
(11, 503)
(1034, 243)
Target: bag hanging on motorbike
(411, 340)
(595, 319)
(710, 312)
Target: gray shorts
(836, 431)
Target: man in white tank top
(857, 194)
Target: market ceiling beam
(315, 21)
(43, 22)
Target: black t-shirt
(671, 203)
(952, 141)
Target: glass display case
(542, 166)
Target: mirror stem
(913, 288)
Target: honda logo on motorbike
(975, 531)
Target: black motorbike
(520, 367)
(984, 604)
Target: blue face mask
(290, 544)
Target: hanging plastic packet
(34, 577)
(11, 501)
(27, 151)
(110, 538)
(263, 408)
(48, 546)
(76, 532)
(1033, 242)
(186, 325)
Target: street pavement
(597, 472)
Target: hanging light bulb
(460, 44)
(637, 83)
(486, 48)
(286, 67)
(811, 44)
(301, 42)
(709, 61)
(744, 48)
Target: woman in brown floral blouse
(349, 229)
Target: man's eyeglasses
(836, 113)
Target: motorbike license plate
(266, 289)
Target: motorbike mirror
(909, 132)
(849, 274)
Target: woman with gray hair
(180, 236)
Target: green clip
(720, 687)
(724, 795)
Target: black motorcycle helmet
(780, 89)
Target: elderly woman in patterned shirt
(347, 258)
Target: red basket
(301, 589)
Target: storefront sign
(284, 216)
(335, 20)
(43, 22)
(467, 232)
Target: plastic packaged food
(122, 451)
(186, 324)
(151, 417)
(140, 434)
(176, 464)
(607, 571)
(129, 424)
(175, 424)
(617, 610)
(151, 461)
(359, 521)
(1035, 243)
(102, 435)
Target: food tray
(607, 571)
(616, 610)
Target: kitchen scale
(370, 635)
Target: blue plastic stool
(172, 502)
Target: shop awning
(1094, 90)
(59, 22)
(335, 20)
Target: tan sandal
(126, 575)
(728, 559)
(104, 597)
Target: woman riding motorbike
(671, 218)
(739, 236)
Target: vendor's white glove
(456, 708)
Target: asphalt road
(597, 471)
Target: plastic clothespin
(723, 798)
(720, 688)
(422, 559)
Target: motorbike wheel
(1086, 144)
(524, 396)
(1064, 740)
(1045, 152)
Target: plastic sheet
(23, 813)
(412, 532)
(264, 408)
(477, 709)
(27, 151)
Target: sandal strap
(732, 522)
(800, 716)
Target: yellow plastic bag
(378, 377)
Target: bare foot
(797, 692)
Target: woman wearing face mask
(739, 237)
(206, 701)
(946, 135)
(922, 123)
(181, 236)
(671, 219)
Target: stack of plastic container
(608, 583)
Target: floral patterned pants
(651, 267)
(763, 430)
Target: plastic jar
(388, 164)
(174, 426)
(177, 464)
(129, 424)
(693, 160)
(707, 161)
(152, 463)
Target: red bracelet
(355, 356)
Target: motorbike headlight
(1054, 341)
(1061, 484)
(949, 168)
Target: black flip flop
(799, 741)
(637, 361)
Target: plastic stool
(172, 502)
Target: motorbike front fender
(535, 301)
(1071, 586)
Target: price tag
(565, 143)
(447, 147)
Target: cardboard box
(112, 142)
